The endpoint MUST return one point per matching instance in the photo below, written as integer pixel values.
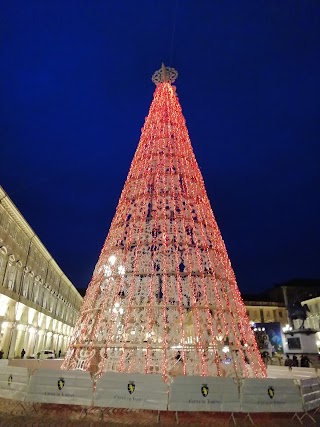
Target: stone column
(42, 337)
(285, 298)
(55, 342)
(1, 321)
(7, 333)
(31, 342)
(63, 344)
(35, 345)
(20, 340)
(48, 340)
(66, 343)
(26, 338)
(60, 342)
(15, 344)
(13, 340)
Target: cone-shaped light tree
(163, 298)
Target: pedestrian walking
(305, 361)
(295, 361)
(288, 362)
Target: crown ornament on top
(165, 74)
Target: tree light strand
(163, 298)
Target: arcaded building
(38, 303)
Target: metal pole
(285, 297)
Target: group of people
(304, 361)
(294, 362)
(23, 352)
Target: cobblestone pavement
(13, 414)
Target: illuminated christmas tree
(163, 298)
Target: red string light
(163, 297)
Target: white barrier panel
(65, 387)
(13, 382)
(216, 394)
(310, 392)
(270, 395)
(138, 391)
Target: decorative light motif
(163, 298)
(165, 74)
(112, 259)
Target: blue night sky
(75, 87)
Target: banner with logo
(310, 392)
(138, 391)
(194, 393)
(13, 382)
(270, 395)
(65, 387)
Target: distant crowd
(52, 354)
(294, 362)
(291, 362)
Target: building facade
(268, 320)
(38, 303)
(265, 312)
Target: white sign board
(270, 395)
(192, 393)
(139, 391)
(13, 382)
(65, 387)
(310, 392)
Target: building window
(25, 285)
(36, 293)
(6, 225)
(11, 276)
(280, 313)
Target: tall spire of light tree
(163, 298)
